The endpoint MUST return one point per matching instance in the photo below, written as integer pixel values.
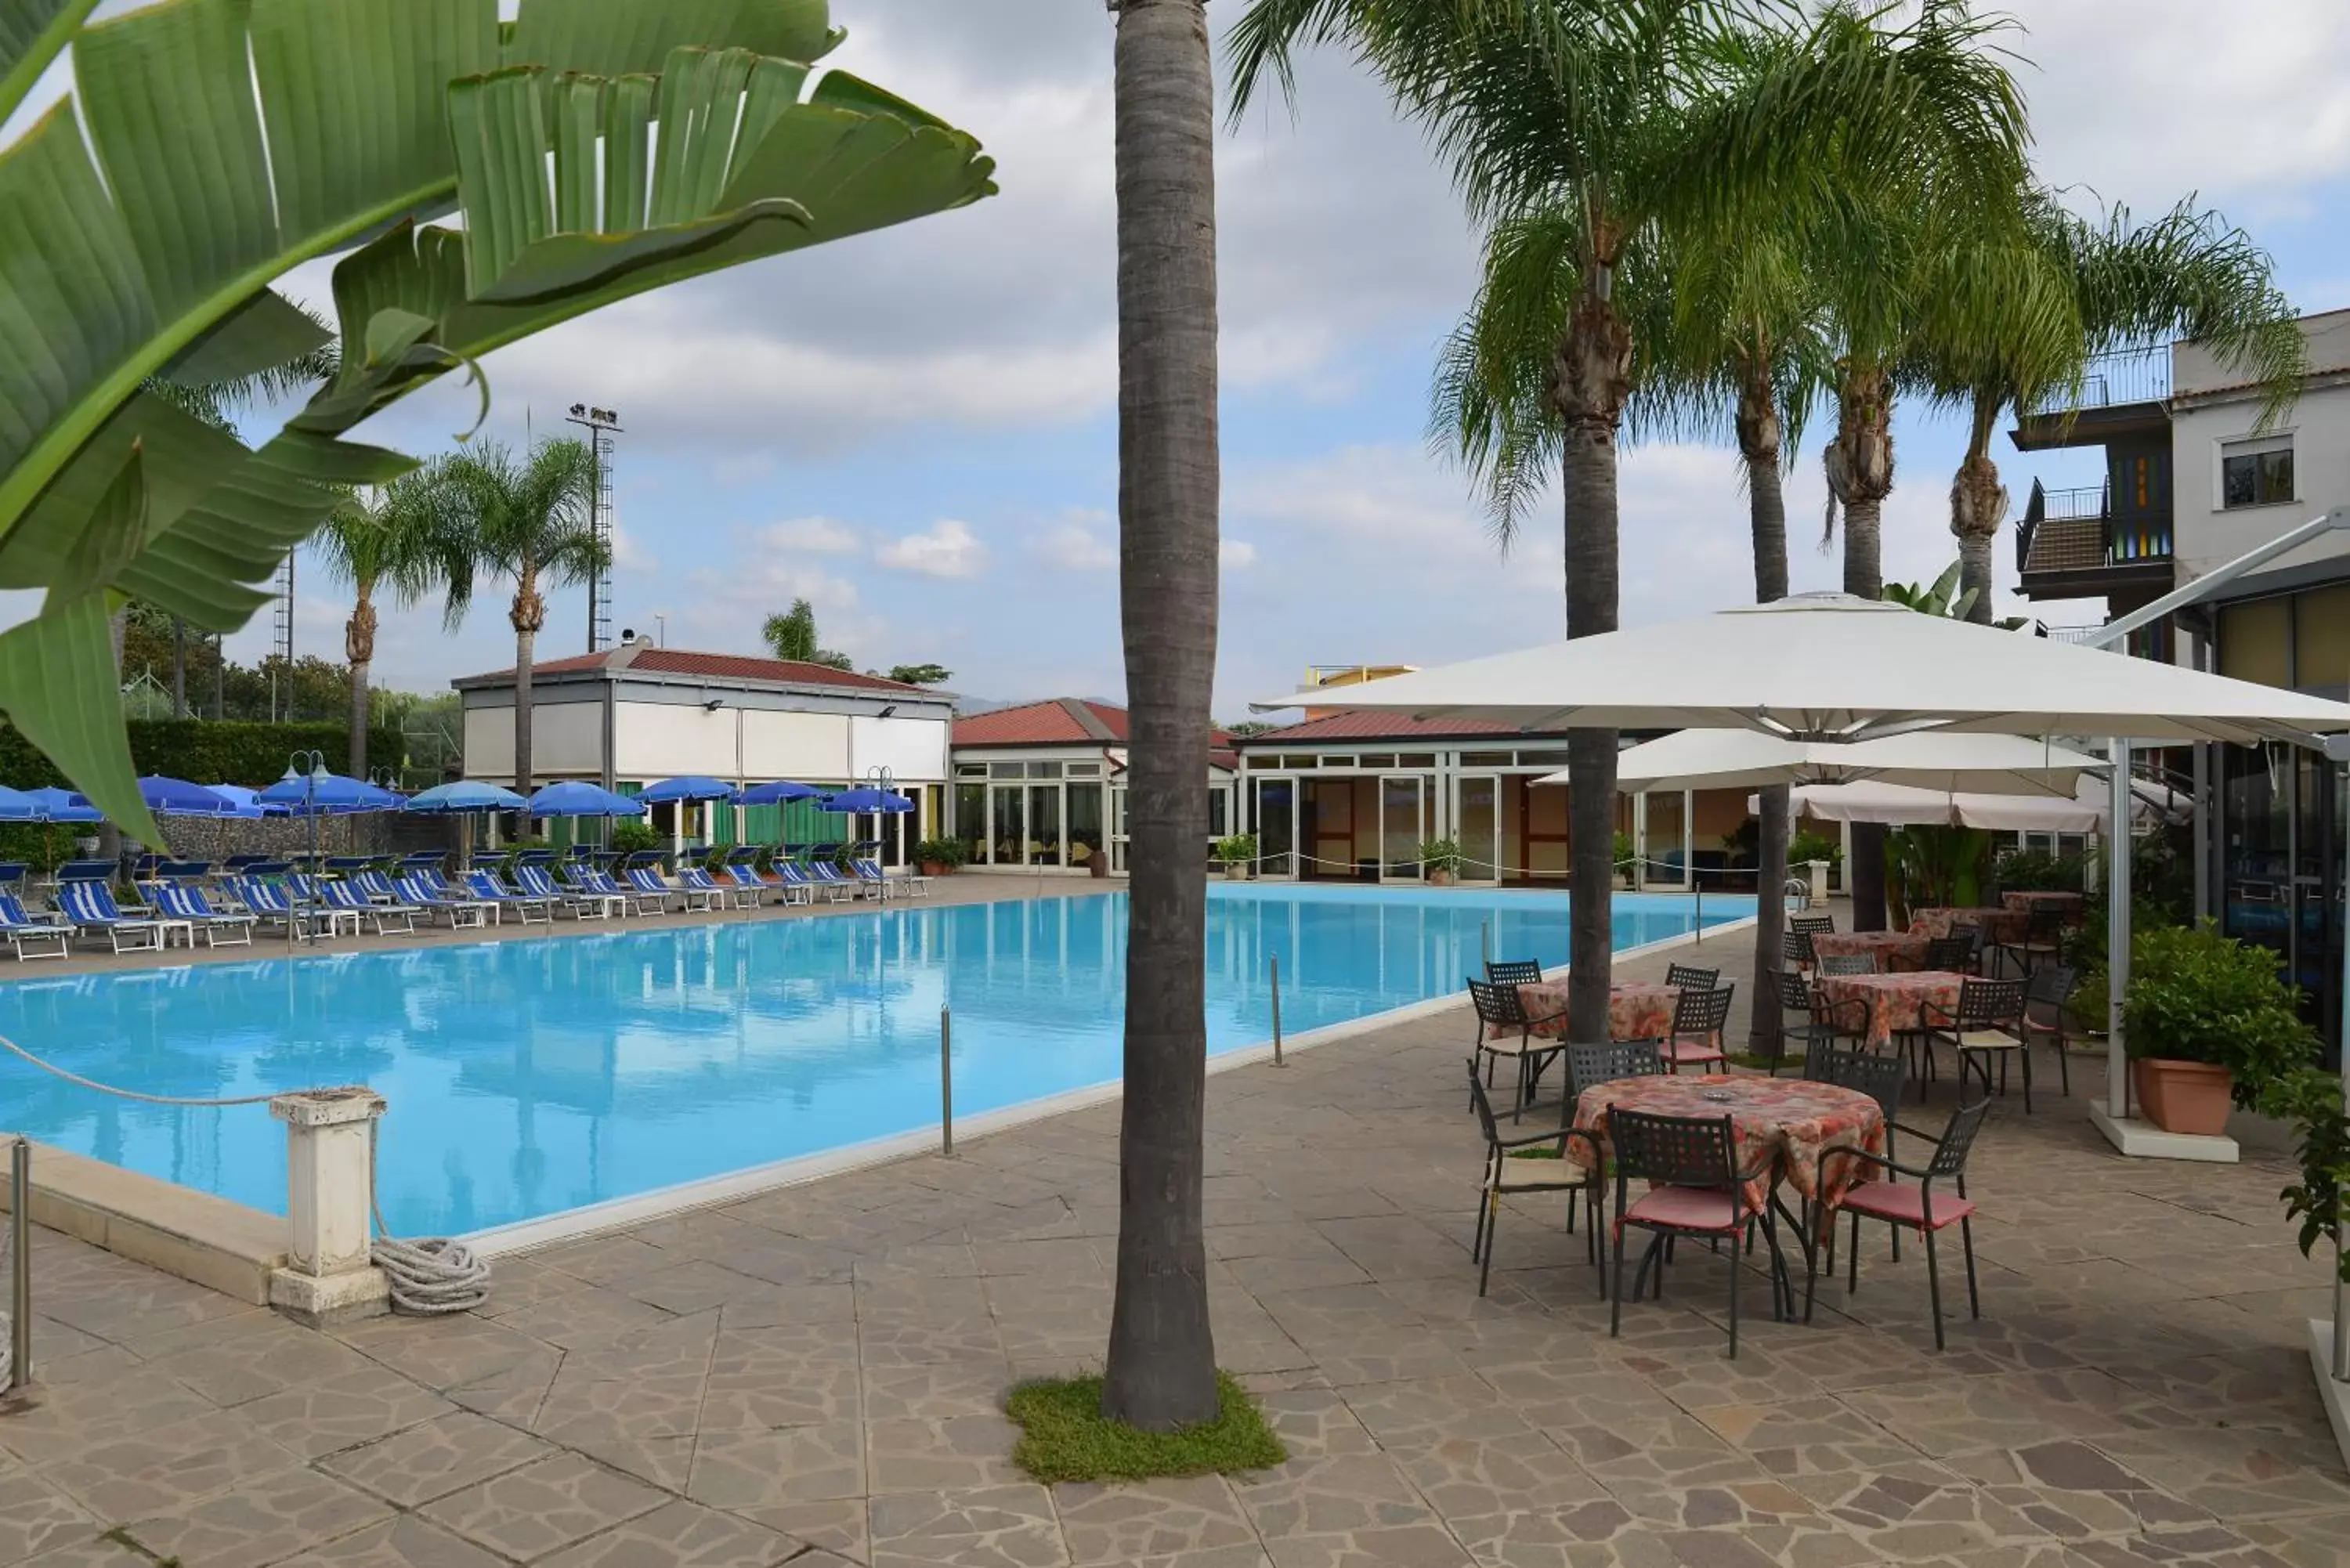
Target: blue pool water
(526, 1077)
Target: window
(971, 770)
(1085, 770)
(1008, 770)
(1043, 770)
(1380, 761)
(2256, 472)
(1294, 761)
(1486, 759)
(1417, 760)
(1338, 761)
(1542, 759)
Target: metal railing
(2124, 376)
(2120, 542)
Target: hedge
(206, 750)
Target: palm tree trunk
(1590, 380)
(1977, 507)
(1859, 464)
(1162, 1369)
(1760, 443)
(358, 650)
(525, 638)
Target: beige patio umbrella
(1925, 759)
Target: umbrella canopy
(1929, 760)
(245, 802)
(859, 799)
(333, 795)
(574, 797)
(2085, 811)
(177, 797)
(1833, 667)
(56, 804)
(15, 806)
(774, 793)
(462, 797)
(693, 786)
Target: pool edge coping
(714, 1192)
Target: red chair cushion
(1904, 1204)
(1690, 1209)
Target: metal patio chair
(1508, 1174)
(1698, 1190)
(1915, 1206)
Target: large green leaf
(212, 145)
(59, 685)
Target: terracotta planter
(2183, 1096)
(936, 868)
(1097, 864)
(1441, 878)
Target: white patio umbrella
(1935, 760)
(2087, 810)
(1833, 668)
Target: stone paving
(815, 1376)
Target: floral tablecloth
(1890, 950)
(2070, 904)
(1635, 1012)
(1799, 1122)
(2001, 925)
(1896, 1004)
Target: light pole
(309, 770)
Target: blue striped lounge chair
(602, 882)
(527, 907)
(797, 887)
(186, 901)
(826, 875)
(90, 906)
(303, 900)
(346, 898)
(746, 881)
(728, 893)
(645, 882)
(580, 903)
(455, 908)
(29, 936)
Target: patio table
(1999, 924)
(2070, 904)
(1890, 950)
(1793, 1124)
(1896, 1004)
(1636, 1011)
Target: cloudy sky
(915, 429)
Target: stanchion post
(20, 1258)
(946, 1082)
(1485, 944)
(1697, 880)
(1276, 1011)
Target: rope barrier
(1556, 871)
(429, 1276)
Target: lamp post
(881, 781)
(309, 770)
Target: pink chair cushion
(1685, 1049)
(1690, 1209)
(1906, 1205)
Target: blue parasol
(777, 793)
(863, 800)
(463, 797)
(574, 797)
(693, 786)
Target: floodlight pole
(2336, 749)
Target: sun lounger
(22, 929)
(646, 883)
(583, 903)
(602, 882)
(486, 885)
(460, 909)
(728, 893)
(299, 903)
(186, 901)
(346, 898)
(90, 906)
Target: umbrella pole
(2117, 931)
(2342, 1057)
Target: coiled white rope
(429, 1276)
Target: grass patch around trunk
(1065, 1437)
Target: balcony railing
(2126, 376)
(2075, 530)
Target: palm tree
(1590, 135)
(2072, 289)
(790, 635)
(1162, 1369)
(528, 519)
(403, 540)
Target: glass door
(1276, 826)
(1665, 840)
(1045, 825)
(1006, 820)
(1403, 825)
(1118, 834)
(1476, 827)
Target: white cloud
(1077, 545)
(948, 549)
(812, 536)
(1236, 556)
(629, 554)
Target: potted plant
(1439, 858)
(629, 838)
(941, 857)
(2208, 1024)
(1626, 856)
(1236, 854)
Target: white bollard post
(329, 1201)
(1819, 870)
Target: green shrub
(950, 853)
(1807, 844)
(203, 750)
(1238, 848)
(1441, 855)
(2197, 996)
(1622, 851)
(636, 835)
(2037, 871)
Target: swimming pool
(526, 1077)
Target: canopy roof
(1929, 759)
(1833, 667)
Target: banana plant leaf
(595, 149)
